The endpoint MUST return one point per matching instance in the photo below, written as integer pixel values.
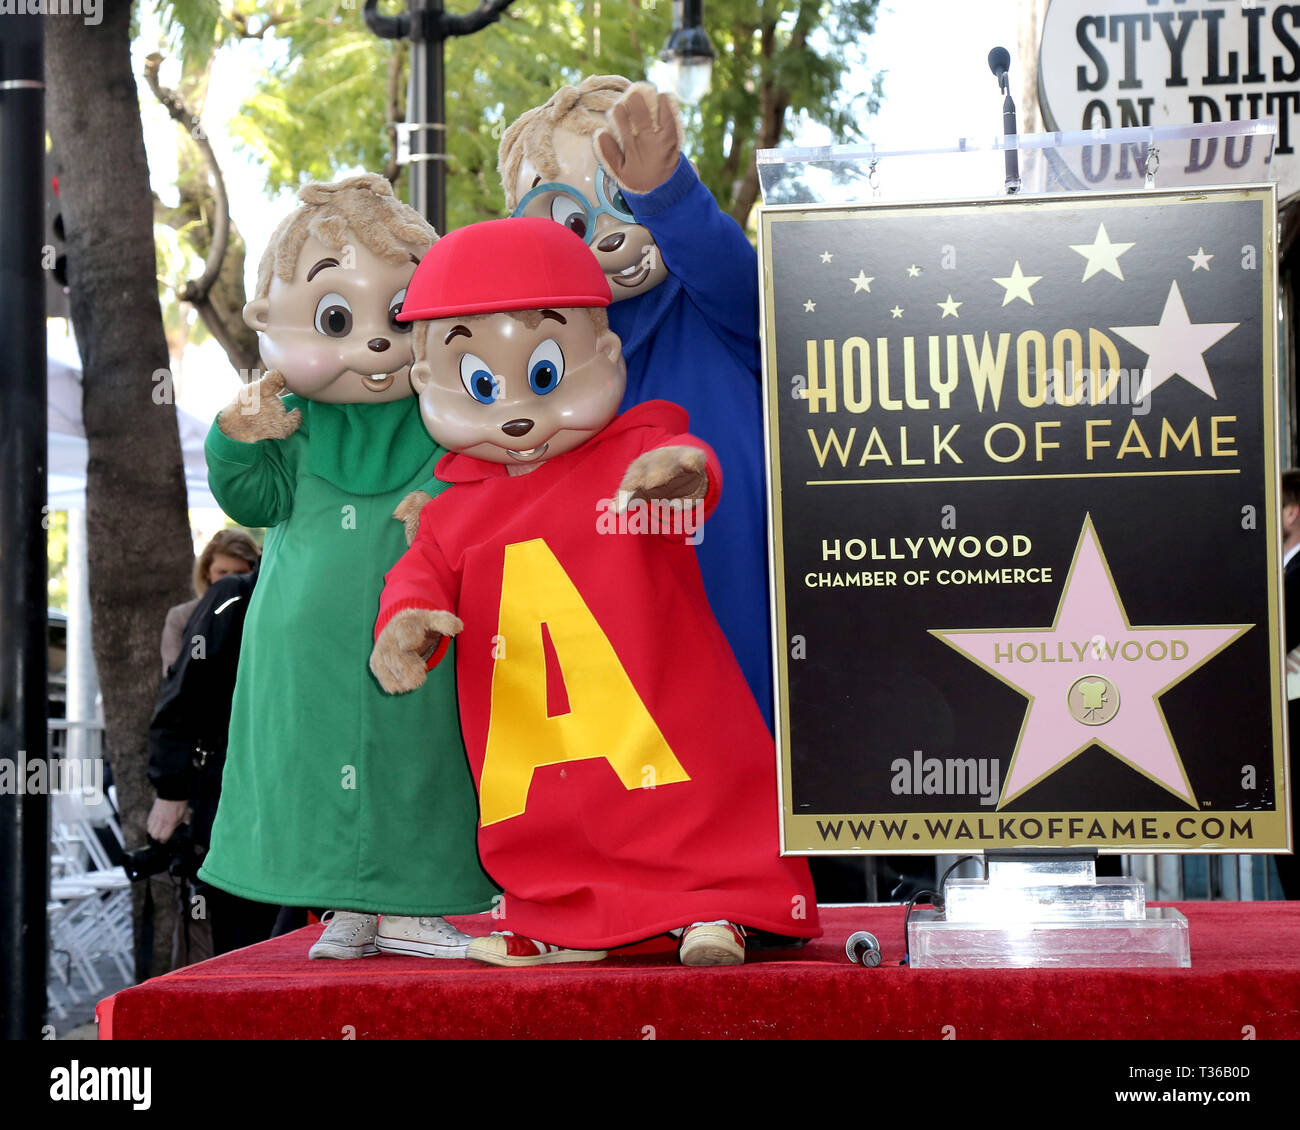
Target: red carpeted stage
(1244, 981)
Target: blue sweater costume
(693, 340)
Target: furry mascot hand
(664, 474)
(644, 148)
(259, 413)
(408, 512)
(401, 653)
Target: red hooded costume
(627, 782)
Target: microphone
(1000, 64)
(863, 948)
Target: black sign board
(1024, 467)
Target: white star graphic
(1017, 285)
(896, 312)
(913, 271)
(949, 307)
(1200, 261)
(862, 282)
(827, 256)
(1091, 635)
(1175, 346)
(809, 306)
(1102, 255)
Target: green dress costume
(335, 794)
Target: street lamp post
(422, 137)
(24, 866)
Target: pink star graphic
(1092, 640)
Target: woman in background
(229, 551)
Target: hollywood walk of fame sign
(1024, 466)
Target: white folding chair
(101, 925)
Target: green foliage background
(56, 548)
(322, 104)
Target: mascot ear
(257, 314)
(608, 344)
(421, 375)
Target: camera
(180, 856)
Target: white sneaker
(347, 935)
(712, 943)
(420, 937)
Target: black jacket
(1291, 594)
(187, 738)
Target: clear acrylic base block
(1047, 913)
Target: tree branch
(239, 347)
(238, 23)
(243, 361)
(196, 290)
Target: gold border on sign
(797, 829)
(1166, 838)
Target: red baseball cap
(523, 263)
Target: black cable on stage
(936, 900)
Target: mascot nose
(611, 242)
(517, 428)
(378, 344)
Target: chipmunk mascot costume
(626, 780)
(334, 793)
(604, 158)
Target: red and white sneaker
(508, 948)
(712, 943)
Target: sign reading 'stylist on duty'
(1106, 63)
(1025, 516)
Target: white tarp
(67, 433)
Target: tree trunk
(773, 103)
(140, 548)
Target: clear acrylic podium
(1044, 910)
(1033, 909)
(1102, 160)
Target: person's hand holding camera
(165, 817)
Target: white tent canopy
(67, 433)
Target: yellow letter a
(606, 715)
